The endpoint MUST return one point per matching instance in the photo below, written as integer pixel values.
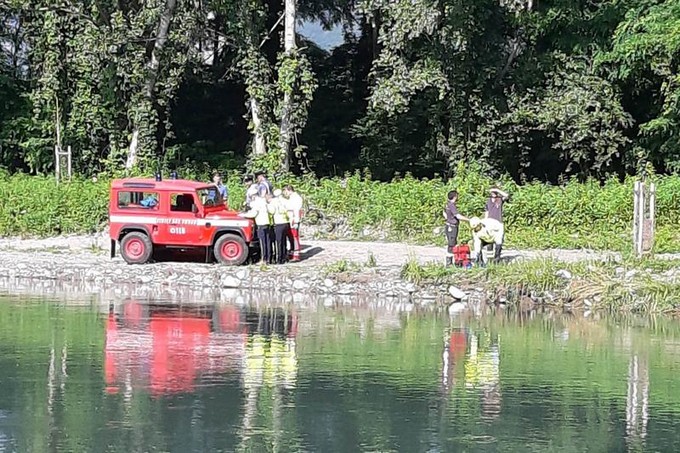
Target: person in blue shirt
(263, 182)
(217, 180)
(149, 201)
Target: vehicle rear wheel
(136, 248)
(231, 249)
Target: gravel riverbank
(375, 269)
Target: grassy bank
(573, 215)
(639, 286)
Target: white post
(68, 162)
(652, 215)
(636, 215)
(641, 232)
(56, 162)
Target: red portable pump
(461, 256)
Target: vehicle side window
(181, 202)
(143, 200)
(210, 196)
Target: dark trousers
(490, 246)
(451, 241)
(264, 235)
(281, 235)
(451, 237)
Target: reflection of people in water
(453, 357)
(482, 372)
(270, 350)
(476, 357)
(269, 361)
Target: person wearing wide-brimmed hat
(486, 232)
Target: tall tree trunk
(152, 75)
(375, 30)
(259, 147)
(286, 128)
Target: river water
(137, 376)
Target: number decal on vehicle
(178, 230)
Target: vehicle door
(182, 226)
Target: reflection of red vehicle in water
(454, 356)
(166, 349)
(180, 351)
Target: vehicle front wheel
(136, 248)
(231, 249)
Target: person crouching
(486, 232)
(281, 226)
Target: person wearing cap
(281, 225)
(251, 191)
(294, 203)
(494, 205)
(453, 219)
(486, 232)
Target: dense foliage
(535, 90)
(573, 215)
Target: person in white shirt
(251, 191)
(294, 203)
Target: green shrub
(573, 215)
(39, 206)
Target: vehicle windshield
(210, 196)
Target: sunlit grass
(594, 284)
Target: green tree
(644, 61)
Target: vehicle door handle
(207, 224)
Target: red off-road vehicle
(147, 215)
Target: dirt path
(315, 253)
